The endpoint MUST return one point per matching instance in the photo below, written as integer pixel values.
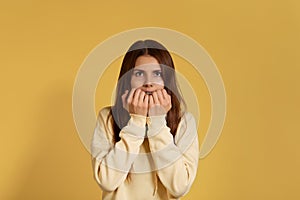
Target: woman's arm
(111, 162)
(176, 164)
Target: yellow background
(255, 45)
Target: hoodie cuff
(136, 126)
(138, 120)
(155, 124)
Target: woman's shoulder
(104, 112)
(103, 120)
(186, 131)
(187, 117)
(187, 122)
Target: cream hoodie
(147, 163)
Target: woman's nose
(148, 85)
(148, 82)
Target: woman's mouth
(148, 92)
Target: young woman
(146, 145)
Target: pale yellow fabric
(138, 167)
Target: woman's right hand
(136, 102)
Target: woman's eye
(138, 73)
(157, 73)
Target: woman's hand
(159, 103)
(137, 102)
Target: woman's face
(147, 74)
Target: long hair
(118, 114)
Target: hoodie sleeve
(176, 161)
(112, 162)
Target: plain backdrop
(255, 45)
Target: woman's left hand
(159, 103)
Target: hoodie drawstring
(155, 184)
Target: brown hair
(118, 114)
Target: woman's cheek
(135, 83)
(159, 83)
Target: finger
(125, 94)
(146, 99)
(141, 96)
(160, 97)
(136, 96)
(124, 97)
(155, 98)
(151, 101)
(165, 94)
(130, 96)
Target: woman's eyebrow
(140, 70)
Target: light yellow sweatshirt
(147, 163)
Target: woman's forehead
(148, 67)
(145, 59)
